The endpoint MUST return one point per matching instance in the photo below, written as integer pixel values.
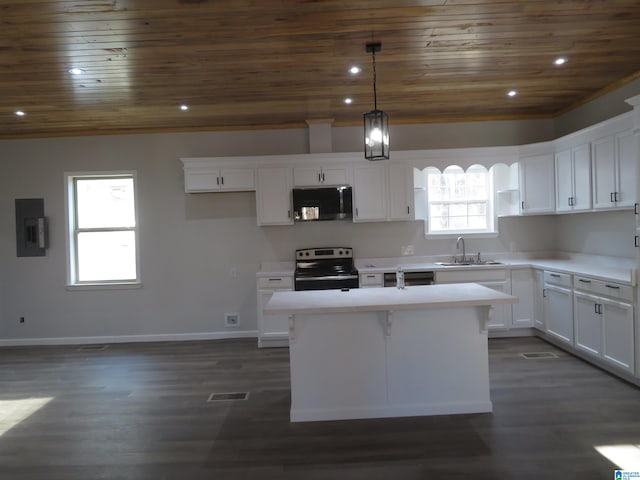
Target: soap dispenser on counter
(400, 278)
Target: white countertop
(610, 269)
(385, 299)
(276, 269)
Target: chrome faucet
(459, 241)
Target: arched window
(459, 201)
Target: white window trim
(491, 204)
(70, 219)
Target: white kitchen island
(384, 352)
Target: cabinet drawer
(556, 278)
(371, 280)
(608, 289)
(275, 282)
(471, 275)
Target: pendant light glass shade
(376, 122)
(376, 135)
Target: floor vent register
(92, 348)
(537, 355)
(230, 396)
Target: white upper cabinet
(273, 196)
(401, 193)
(627, 168)
(370, 193)
(208, 179)
(325, 175)
(537, 185)
(573, 179)
(614, 160)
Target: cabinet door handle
(635, 208)
(408, 210)
(275, 279)
(595, 308)
(616, 196)
(319, 177)
(570, 201)
(289, 213)
(612, 197)
(522, 205)
(544, 293)
(356, 211)
(371, 276)
(322, 177)
(557, 275)
(584, 281)
(222, 180)
(636, 241)
(615, 287)
(217, 180)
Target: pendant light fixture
(376, 122)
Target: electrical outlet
(21, 320)
(231, 319)
(407, 250)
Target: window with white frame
(459, 201)
(103, 237)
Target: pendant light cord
(375, 100)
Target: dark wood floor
(140, 411)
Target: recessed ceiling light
(512, 93)
(355, 70)
(184, 107)
(348, 101)
(20, 113)
(560, 61)
(76, 71)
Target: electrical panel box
(31, 228)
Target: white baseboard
(165, 337)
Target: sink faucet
(459, 241)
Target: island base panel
(353, 365)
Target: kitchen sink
(468, 264)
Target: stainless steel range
(325, 269)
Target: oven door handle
(327, 277)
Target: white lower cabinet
(501, 316)
(588, 320)
(273, 330)
(523, 287)
(604, 321)
(495, 278)
(371, 280)
(618, 345)
(558, 306)
(538, 301)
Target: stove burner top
(325, 269)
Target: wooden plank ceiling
(275, 63)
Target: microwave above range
(324, 203)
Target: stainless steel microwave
(323, 203)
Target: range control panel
(319, 253)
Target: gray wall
(598, 110)
(190, 243)
(602, 233)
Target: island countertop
(386, 299)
